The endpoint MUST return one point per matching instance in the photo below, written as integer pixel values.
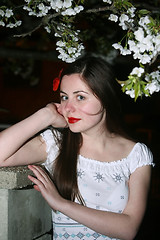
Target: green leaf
(144, 12)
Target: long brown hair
(98, 76)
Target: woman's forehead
(74, 81)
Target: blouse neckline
(112, 162)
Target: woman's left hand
(45, 185)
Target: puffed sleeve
(141, 156)
(52, 148)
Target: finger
(34, 180)
(58, 108)
(39, 173)
(37, 188)
(57, 105)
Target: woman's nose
(70, 106)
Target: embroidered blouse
(103, 186)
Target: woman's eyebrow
(63, 92)
(78, 91)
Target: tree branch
(30, 32)
(100, 9)
(45, 20)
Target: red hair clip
(56, 81)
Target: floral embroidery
(99, 177)
(117, 178)
(80, 173)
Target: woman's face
(79, 106)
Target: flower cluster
(107, 1)
(142, 37)
(68, 45)
(144, 44)
(42, 9)
(153, 81)
(7, 18)
(135, 86)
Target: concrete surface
(24, 214)
(14, 177)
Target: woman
(99, 177)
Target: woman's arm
(122, 226)
(16, 148)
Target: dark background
(27, 69)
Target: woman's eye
(80, 98)
(63, 98)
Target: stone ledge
(15, 177)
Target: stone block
(24, 214)
(3, 214)
(14, 177)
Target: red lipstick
(73, 120)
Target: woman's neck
(94, 146)
(107, 147)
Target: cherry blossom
(141, 36)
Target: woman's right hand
(56, 118)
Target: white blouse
(103, 186)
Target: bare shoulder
(124, 146)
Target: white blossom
(154, 86)
(2, 23)
(131, 93)
(125, 51)
(117, 46)
(141, 41)
(28, 1)
(44, 9)
(67, 3)
(132, 46)
(153, 76)
(68, 12)
(139, 34)
(72, 11)
(18, 23)
(2, 13)
(148, 41)
(70, 54)
(27, 8)
(145, 58)
(58, 4)
(47, 29)
(123, 19)
(156, 41)
(131, 11)
(137, 55)
(144, 21)
(71, 50)
(113, 17)
(60, 43)
(8, 13)
(137, 71)
(10, 25)
(78, 9)
(57, 35)
(107, 1)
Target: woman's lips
(73, 120)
